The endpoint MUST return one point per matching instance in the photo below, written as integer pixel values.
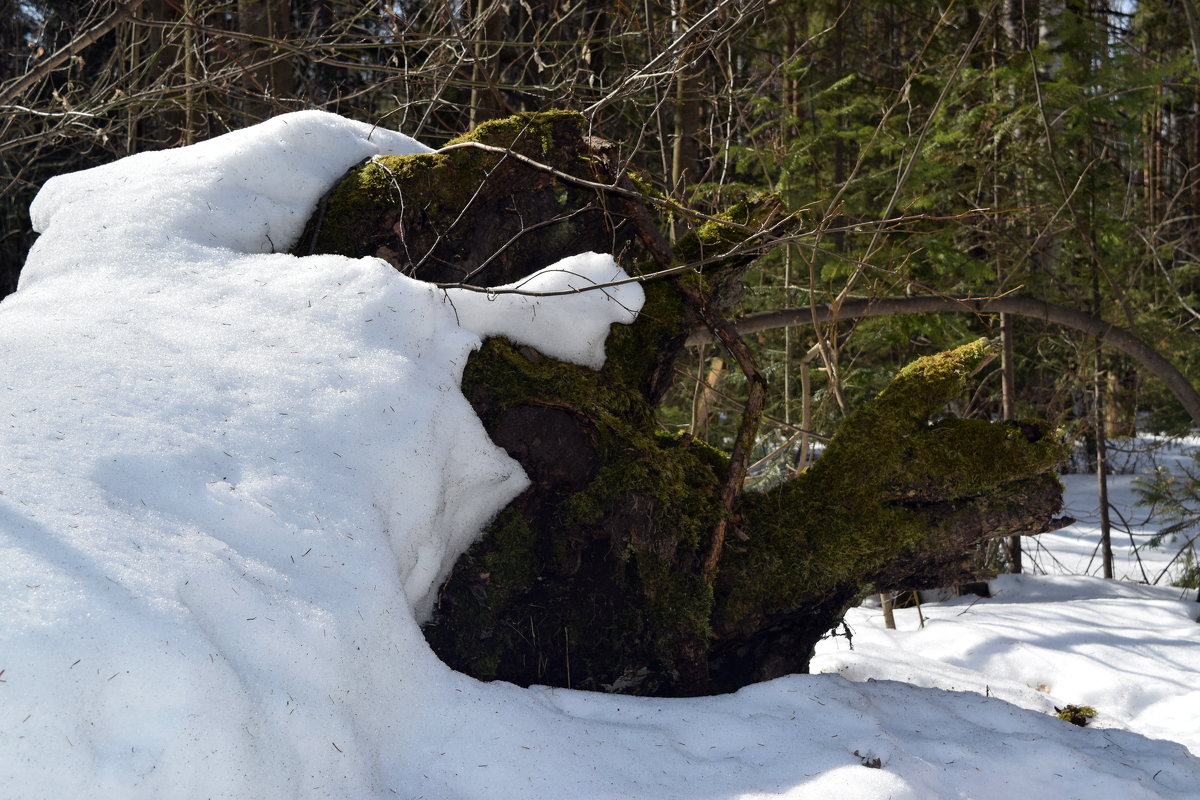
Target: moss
(675, 480)
(661, 325)
(719, 279)
(854, 509)
(668, 479)
(803, 542)
(968, 457)
(366, 193)
(1076, 715)
(533, 133)
(513, 566)
(504, 571)
(713, 237)
(510, 375)
(371, 191)
(875, 432)
(680, 604)
(642, 182)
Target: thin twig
(766, 417)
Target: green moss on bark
(376, 198)
(872, 494)
(637, 526)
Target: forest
(1030, 165)
(1036, 148)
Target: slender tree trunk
(705, 396)
(685, 144)
(1013, 35)
(806, 405)
(1008, 411)
(190, 72)
(685, 150)
(888, 604)
(787, 338)
(485, 69)
(131, 54)
(1102, 469)
(267, 78)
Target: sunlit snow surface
(231, 481)
(1130, 651)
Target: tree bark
(1008, 392)
(486, 102)
(267, 77)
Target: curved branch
(1082, 321)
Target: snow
(527, 319)
(231, 481)
(1132, 652)
(1075, 549)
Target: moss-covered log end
(468, 214)
(896, 499)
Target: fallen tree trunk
(602, 574)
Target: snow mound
(231, 481)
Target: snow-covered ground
(1075, 550)
(1060, 637)
(232, 479)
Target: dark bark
(486, 102)
(602, 575)
(268, 77)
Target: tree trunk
(485, 66)
(267, 77)
(1008, 393)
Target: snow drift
(231, 481)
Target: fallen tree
(635, 562)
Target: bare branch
(1082, 321)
